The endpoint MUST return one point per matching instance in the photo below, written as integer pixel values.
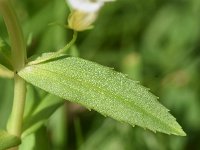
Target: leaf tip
(180, 132)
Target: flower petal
(86, 5)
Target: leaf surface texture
(101, 88)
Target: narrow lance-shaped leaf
(7, 140)
(104, 90)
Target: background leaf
(38, 110)
(36, 141)
(6, 95)
(5, 55)
(104, 90)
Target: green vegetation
(153, 42)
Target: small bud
(80, 21)
(84, 13)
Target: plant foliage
(102, 89)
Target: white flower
(84, 13)
(88, 6)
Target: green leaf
(5, 55)
(110, 135)
(41, 112)
(38, 140)
(5, 72)
(7, 140)
(104, 90)
(6, 97)
(28, 142)
(45, 57)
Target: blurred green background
(156, 42)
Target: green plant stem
(15, 124)
(64, 49)
(18, 49)
(15, 34)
